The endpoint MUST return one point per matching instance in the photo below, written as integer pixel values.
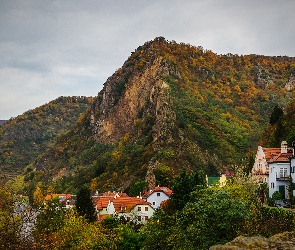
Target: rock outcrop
(144, 94)
(283, 241)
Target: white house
(157, 195)
(131, 208)
(260, 168)
(280, 172)
(292, 170)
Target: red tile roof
(112, 194)
(120, 203)
(275, 155)
(228, 173)
(51, 196)
(165, 190)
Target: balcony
(283, 177)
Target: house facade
(261, 165)
(157, 195)
(272, 166)
(292, 171)
(130, 208)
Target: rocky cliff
(283, 241)
(145, 95)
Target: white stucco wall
(156, 199)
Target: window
(128, 218)
(139, 218)
(146, 209)
(158, 194)
(146, 217)
(272, 185)
(154, 203)
(293, 169)
(283, 172)
(139, 208)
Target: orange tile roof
(51, 196)
(275, 155)
(125, 203)
(165, 190)
(112, 194)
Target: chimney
(284, 147)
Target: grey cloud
(71, 47)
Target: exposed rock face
(283, 241)
(290, 84)
(144, 94)
(150, 176)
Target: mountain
(169, 106)
(23, 138)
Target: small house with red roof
(66, 200)
(272, 166)
(157, 195)
(131, 208)
(280, 171)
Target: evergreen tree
(183, 185)
(85, 205)
(276, 115)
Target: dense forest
(26, 136)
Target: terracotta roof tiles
(120, 203)
(165, 190)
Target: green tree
(51, 218)
(276, 115)
(77, 233)
(85, 205)
(9, 225)
(183, 185)
(38, 197)
(213, 218)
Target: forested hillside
(23, 138)
(170, 106)
(281, 126)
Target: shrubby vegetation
(197, 219)
(215, 215)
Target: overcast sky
(69, 47)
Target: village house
(273, 166)
(157, 195)
(66, 200)
(132, 209)
(221, 180)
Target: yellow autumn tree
(38, 197)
